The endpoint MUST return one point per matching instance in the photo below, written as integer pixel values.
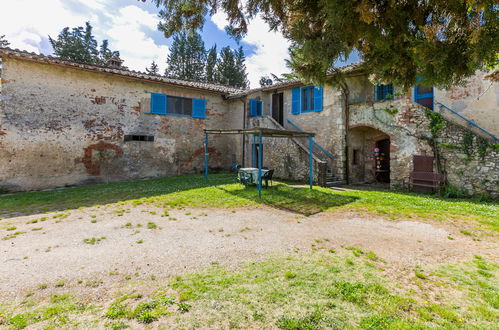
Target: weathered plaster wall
(61, 126)
(477, 99)
(328, 124)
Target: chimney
(114, 62)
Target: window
(306, 99)
(148, 138)
(383, 92)
(255, 108)
(162, 104)
(179, 106)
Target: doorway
(382, 160)
(277, 108)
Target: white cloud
(127, 35)
(28, 23)
(271, 48)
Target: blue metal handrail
(468, 121)
(315, 143)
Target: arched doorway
(369, 155)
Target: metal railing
(327, 153)
(467, 120)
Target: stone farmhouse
(64, 123)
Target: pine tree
(231, 69)
(187, 58)
(443, 41)
(3, 41)
(153, 69)
(79, 45)
(105, 53)
(226, 67)
(241, 78)
(211, 65)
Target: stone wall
(402, 121)
(63, 126)
(470, 162)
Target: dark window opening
(307, 98)
(355, 157)
(179, 106)
(384, 92)
(278, 108)
(148, 138)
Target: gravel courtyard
(92, 243)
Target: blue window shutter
(158, 103)
(318, 92)
(252, 104)
(198, 108)
(295, 102)
(259, 108)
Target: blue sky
(130, 27)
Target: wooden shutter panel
(259, 108)
(295, 101)
(158, 103)
(318, 94)
(198, 108)
(252, 104)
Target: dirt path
(200, 237)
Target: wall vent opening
(147, 138)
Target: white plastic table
(254, 173)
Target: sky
(131, 27)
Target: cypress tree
(226, 67)
(211, 65)
(187, 58)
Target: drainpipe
(346, 93)
(243, 99)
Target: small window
(355, 157)
(307, 98)
(179, 106)
(147, 138)
(384, 92)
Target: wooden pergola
(260, 132)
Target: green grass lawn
(323, 289)
(223, 191)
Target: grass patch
(223, 191)
(318, 290)
(93, 240)
(59, 311)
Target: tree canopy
(443, 41)
(80, 45)
(188, 59)
(153, 69)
